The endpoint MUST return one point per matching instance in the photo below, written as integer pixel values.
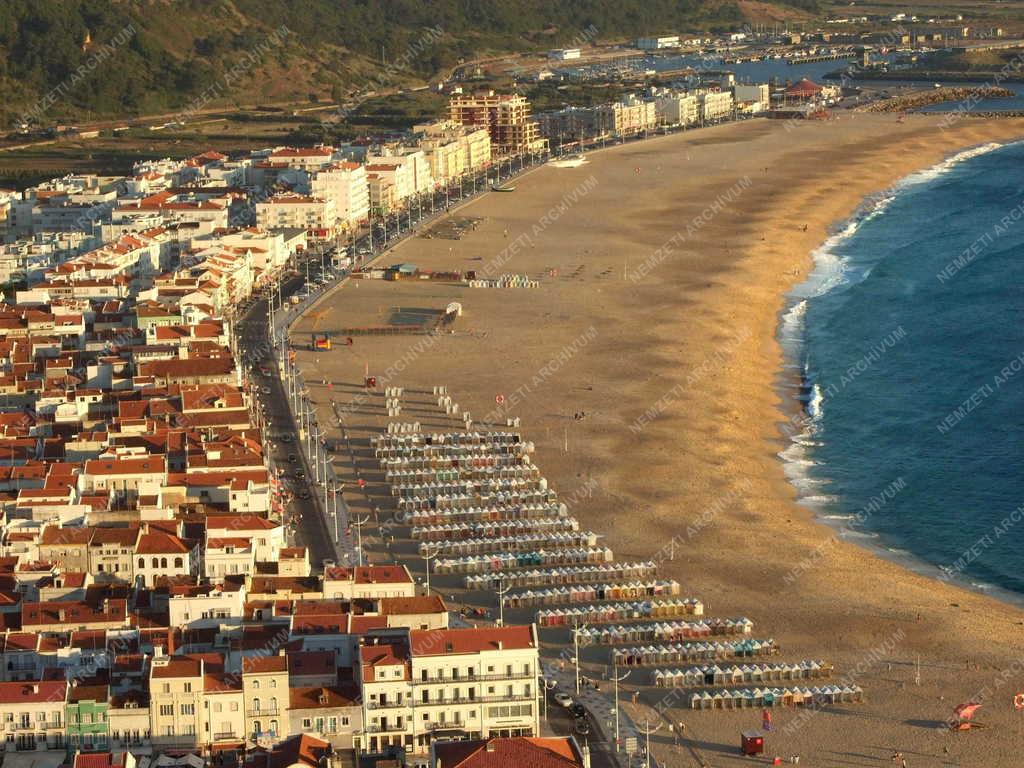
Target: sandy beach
(645, 366)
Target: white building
(677, 109)
(291, 211)
(715, 105)
(346, 184)
(753, 98)
(368, 581)
(657, 43)
(564, 54)
(205, 607)
(453, 683)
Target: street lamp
(647, 731)
(547, 686)
(427, 557)
(501, 592)
(359, 538)
(577, 628)
(616, 681)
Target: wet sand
(645, 367)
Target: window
(166, 710)
(332, 724)
(188, 709)
(156, 563)
(273, 683)
(344, 720)
(163, 562)
(234, 706)
(167, 687)
(218, 707)
(307, 723)
(255, 705)
(188, 687)
(255, 683)
(177, 562)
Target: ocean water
(908, 343)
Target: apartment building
(505, 116)
(33, 714)
(288, 210)
(630, 115)
(176, 688)
(87, 716)
(453, 683)
(715, 105)
(333, 713)
(677, 109)
(368, 581)
(266, 697)
(453, 150)
(346, 184)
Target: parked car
(292, 458)
(563, 700)
(578, 710)
(582, 727)
(300, 474)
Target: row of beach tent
(457, 501)
(420, 440)
(737, 674)
(479, 486)
(668, 653)
(570, 575)
(588, 593)
(598, 614)
(663, 631)
(520, 542)
(414, 477)
(466, 461)
(776, 697)
(504, 560)
(493, 529)
(489, 514)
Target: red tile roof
(515, 752)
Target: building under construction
(506, 117)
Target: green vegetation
(64, 60)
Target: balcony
(476, 678)
(388, 728)
(449, 702)
(269, 712)
(388, 705)
(226, 736)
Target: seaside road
(600, 707)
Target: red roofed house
(370, 581)
(33, 713)
(160, 554)
(517, 752)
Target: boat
(572, 161)
(503, 188)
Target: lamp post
(647, 731)
(501, 592)
(427, 557)
(547, 686)
(577, 628)
(359, 538)
(616, 681)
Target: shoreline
(687, 351)
(873, 203)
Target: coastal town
(234, 534)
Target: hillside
(82, 59)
